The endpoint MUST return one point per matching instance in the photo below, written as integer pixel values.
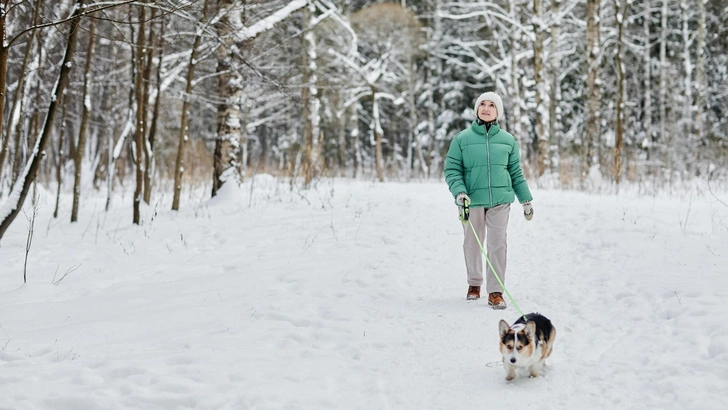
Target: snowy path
(357, 302)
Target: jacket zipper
(490, 184)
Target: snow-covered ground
(351, 296)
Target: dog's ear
(531, 329)
(503, 328)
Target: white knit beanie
(490, 96)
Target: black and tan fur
(526, 344)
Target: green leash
(465, 217)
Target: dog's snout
(513, 359)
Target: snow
(351, 295)
(246, 33)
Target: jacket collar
(480, 129)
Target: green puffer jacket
(487, 168)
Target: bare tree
(10, 209)
(593, 53)
(147, 80)
(700, 79)
(649, 134)
(621, 14)
(687, 120)
(663, 72)
(85, 116)
(59, 163)
(179, 167)
(542, 147)
(4, 51)
(139, 132)
(152, 138)
(230, 88)
(515, 76)
(554, 89)
(310, 97)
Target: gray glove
(461, 198)
(527, 210)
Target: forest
(167, 95)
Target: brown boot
(495, 299)
(473, 293)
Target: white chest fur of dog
(526, 344)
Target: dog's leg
(510, 371)
(535, 369)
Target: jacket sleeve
(520, 187)
(454, 170)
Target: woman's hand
(527, 210)
(461, 198)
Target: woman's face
(487, 111)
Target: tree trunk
(378, 157)
(309, 98)
(663, 74)
(4, 52)
(179, 165)
(622, 11)
(649, 134)
(148, 153)
(687, 120)
(429, 139)
(554, 90)
(10, 209)
(342, 136)
(700, 81)
(515, 100)
(155, 119)
(85, 116)
(140, 114)
(227, 143)
(244, 154)
(59, 164)
(412, 142)
(593, 49)
(354, 121)
(542, 148)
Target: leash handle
(465, 211)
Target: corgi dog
(526, 344)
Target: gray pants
(491, 225)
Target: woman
(483, 169)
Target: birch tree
(663, 73)
(179, 166)
(139, 130)
(593, 106)
(622, 12)
(230, 85)
(700, 79)
(649, 141)
(554, 71)
(542, 121)
(85, 116)
(515, 73)
(310, 97)
(4, 51)
(232, 35)
(687, 120)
